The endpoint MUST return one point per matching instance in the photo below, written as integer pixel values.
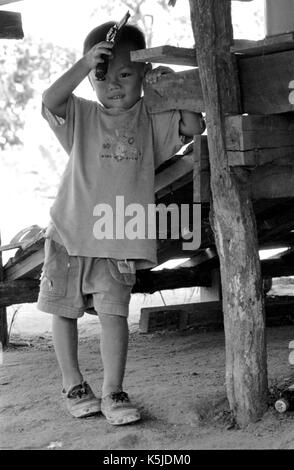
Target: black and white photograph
(151, 142)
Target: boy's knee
(107, 319)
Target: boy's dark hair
(127, 34)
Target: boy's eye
(125, 74)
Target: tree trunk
(232, 217)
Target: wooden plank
(10, 25)
(178, 90)
(203, 256)
(166, 55)
(153, 281)
(200, 274)
(19, 292)
(25, 267)
(265, 83)
(278, 310)
(187, 56)
(259, 157)
(268, 45)
(279, 265)
(265, 182)
(180, 168)
(176, 171)
(247, 132)
(180, 316)
(277, 221)
(272, 182)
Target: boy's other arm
(191, 123)
(56, 96)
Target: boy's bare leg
(113, 347)
(65, 339)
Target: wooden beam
(187, 56)
(249, 132)
(281, 265)
(279, 220)
(173, 317)
(265, 182)
(268, 45)
(198, 273)
(19, 292)
(10, 25)
(265, 83)
(166, 55)
(25, 267)
(272, 182)
(180, 173)
(271, 175)
(254, 140)
(258, 157)
(278, 310)
(153, 281)
(178, 90)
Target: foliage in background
(26, 69)
(150, 16)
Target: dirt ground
(176, 378)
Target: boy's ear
(147, 68)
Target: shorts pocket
(55, 270)
(123, 272)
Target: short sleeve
(166, 135)
(62, 128)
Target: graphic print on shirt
(120, 146)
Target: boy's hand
(94, 55)
(153, 76)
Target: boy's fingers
(99, 53)
(102, 48)
(105, 44)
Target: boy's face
(122, 86)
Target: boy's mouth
(116, 97)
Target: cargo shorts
(72, 285)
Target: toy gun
(101, 69)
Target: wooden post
(232, 217)
(3, 313)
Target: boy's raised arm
(56, 96)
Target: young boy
(114, 146)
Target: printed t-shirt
(108, 183)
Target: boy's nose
(113, 83)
